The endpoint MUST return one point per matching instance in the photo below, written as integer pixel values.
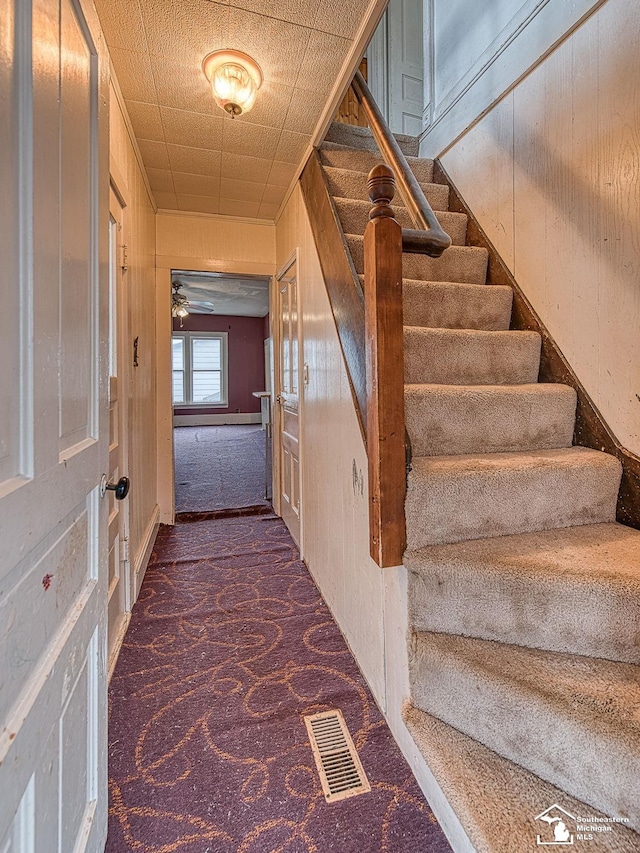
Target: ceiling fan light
(234, 78)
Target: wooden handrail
(385, 372)
(428, 237)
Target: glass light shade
(182, 312)
(233, 89)
(235, 79)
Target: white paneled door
(405, 66)
(119, 591)
(287, 400)
(53, 427)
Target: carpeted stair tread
(470, 357)
(573, 590)
(346, 157)
(361, 137)
(346, 183)
(452, 498)
(495, 800)
(572, 720)
(444, 420)
(449, 305)
(354, 216)
(462, 264)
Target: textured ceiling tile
(322, 62)
(154, 154)
(167, 201)
(304, 111)
(292, 146)
(199, 203)
(145, 119)
(160, 180)
(231, 188)
(189, 29)
(268, 211)
(276, 46)
(295, 11)
(281, 174)
(270, 109)
(122, 24)
(182, 85)
(133, 71)
(341, 17)
(273, 195)
(230, 207)
(252, 140)
(253, 169)
(186, 184)
(192, 129)
(194, 161)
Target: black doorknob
(121, 488)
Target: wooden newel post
(385, 372)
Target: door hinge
(124, 551)
(124, 258)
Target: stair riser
(346, 184)
(510, 796)
(363, 161)
(354, 216)
(594, 765)
(439, 305)
(449, 506)
(460, 264)
(433, 356)
(444, 421)
(596, 617)
(360, 137)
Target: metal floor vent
(341, 773)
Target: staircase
(524, 592)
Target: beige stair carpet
(572, 720)
(496, 800)
(524, 594)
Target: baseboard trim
(141, 560)
(591, 429)
(217, 420)
(113, 659)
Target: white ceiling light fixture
(235, 79)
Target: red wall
(246, 360)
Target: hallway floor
(230, 644)
(219, 467)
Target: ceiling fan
(179, 303)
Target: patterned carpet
(219, 467)
(229, 646)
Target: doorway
(287, 415)
(221, 380)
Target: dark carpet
(219, 467)
(230, 644)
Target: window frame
(187, 387)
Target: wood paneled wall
(139, 235)
(349, 110)
(333, 462)
(552, 174)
